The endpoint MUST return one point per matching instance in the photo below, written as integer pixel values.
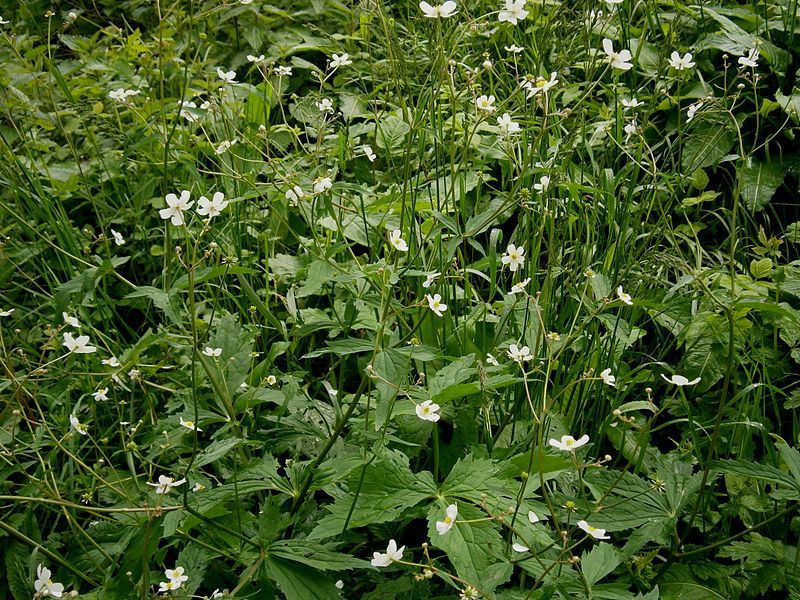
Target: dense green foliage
(412, 253)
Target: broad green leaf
(216, 450)
(236, 344)
(599, 562)
(454, 373)
(167, 302)
(758, 182)
(756, 471)
(300, 582)
(344, 347)
(706, 144)
(390, 132)
(194, 559)
(316, 555)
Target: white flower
(492, 360)
(692, 110)
(534, 518)
(751, 60)
(513, 12)
(398, 242)
(518, 288)
(519, 355)
(214, 352)
(71, 321)
(271, 380)
(340, 61)
(44, 584)
(134, 374)
(567, 443)
(678, 62)
(596, 533)
(626, 298)
(393, 553)
(294, 194)
(176, 575)
(118, 239)
(451, 513)
(77, 425)
(255, 59)
(544, 183)
(190, 425)
(619, 60)
(506, 125)
(212, 207)
(430, 278)
(198, 487)
(680, 380)
(514, 257)
(440, 11)
(339, 584)
(513, 49)
(485, 103)
(175, 207)
(282, 71)
(322, 184)
(632, 103)
(630, 129)
(101, 395)
(226, 76)
(121, 94)
(165, 484)
(519, 547)
(111, 362)
(367, 150)
(325, 106)
(224, 146)
(608, 378)
(436, 305)
(540, 85)
(7, 312)
(187, 114)
(427, 411)
(79, 345)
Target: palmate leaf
(757, 471)
(599, 562)
(475, 549)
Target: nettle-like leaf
(387, 489)
(236, 344)
(599, 562)
(475, 549)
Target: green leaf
(236, 344)
(599, 562)
(391, 132)
(168, 303)
(706, 144)
(316, 555)
(300, 582)
(756, 471)
(194, 559)
(216, 450)
(758, 182)
(344, 347)
(761, 269)
(456, 372)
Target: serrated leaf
(344, 347)
(761, 269)
(216, 450)
(599, 562)
(300, 582)
(316, 555)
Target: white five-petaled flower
(271, 380)
(518, 288)
(608, 378)
(190, 425)
(619, 60)
(392, 554)
(226, 76)
(485, 103)
(176, 578)
(540, 85)
(325, 106)
(436, 305)
(70, 320)
(692, 110)
(595, 532)
(398, 242)
(514, 49)
(513, 12)
(427, 411)
(514, 257)
(101, 395)
(751, 60)
(680, 380)
(368, 152)
(78, 345)
(631, 103)
(322, 184)
(518, 354)
(430, 278)
(77, 425)
(678, 62)
(438, 11)
(294, 194)
(544, 183)
(122, 95)
(175, 207)
(255, 59)
(626, 298)
(340, 61)
(224, 146)
(450, 515)
(118, 239)
(282, 71)
(213, 207)
(567, 443)
(214, 352)
(165, 484)
(44, 584)
(506, 125)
